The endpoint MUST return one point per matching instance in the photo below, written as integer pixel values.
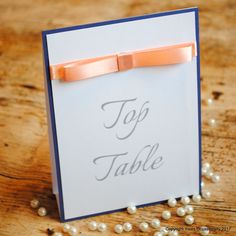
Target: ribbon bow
(88, 68)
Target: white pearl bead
(92, 225)
(102, 227)
(202, 184)
(42, 211)
(132, 209)
(180, 211)
(185, 200)
(144, 227)
(164, 230)
(66, 228)
(158, 234)
(127, 227)
(196, 198)
(118, 229)
(189, 209)
(166, 215)
(206, 194)
(173, 233)
(212, 122)
(172, 202)
(209, 174)
(206, 166)
(204, 231)
(189, 220)
(57, 234)
(209, 101)
(204, 171)
(34, 203)
(155, 223)
(73, 231)
(215, 178)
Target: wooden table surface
(24, 150)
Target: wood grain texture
(24, 150)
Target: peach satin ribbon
(87, 68)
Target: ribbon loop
(88, 68)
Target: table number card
(123, 101)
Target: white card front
(130, 136)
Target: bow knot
(125, 61)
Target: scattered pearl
(189, 220)
(144, 227)
(172, 202)
(202, 184)
(155, 223)
(57, 234)
(158, 234)
(132, 209)
(209, 174)
(166, 215)
(66, 228)
(212, 122)
(189, 209)
(206, 194)
(215, 178)
(206, 166)
(92, 225)
(180, 211)
(127, 227)
(118, 229)
(42, 211)
(34, 203)
(185, 200)
(209, 101)
(204, 171)
(102, 227)
(164, 231)
(204, 231)
(173, 233)
(73, 231)
(196, 198)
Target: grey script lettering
(147, 159)
(130, 118)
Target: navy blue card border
(51, 104)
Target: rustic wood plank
(24, 150)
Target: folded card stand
(123, 103)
